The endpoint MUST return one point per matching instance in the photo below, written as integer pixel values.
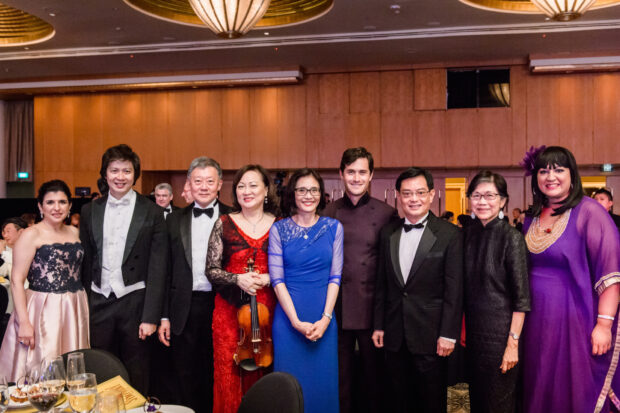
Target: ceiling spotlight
(395, 8)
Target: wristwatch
(515, 336)
(328, 315)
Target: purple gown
(566, 278)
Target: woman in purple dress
(571, 343)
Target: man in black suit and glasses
(124, 268)
(188, 312)
(418, 296)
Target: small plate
(13, 404)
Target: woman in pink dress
(51, 317)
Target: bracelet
(330, 316)
(515, 336)
(606, 317)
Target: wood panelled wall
(399, 116)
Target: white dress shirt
(7, 256)
(116, 221)
(201, 231)
(408, 247)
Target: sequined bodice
(55, 268)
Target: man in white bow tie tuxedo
(125, 262)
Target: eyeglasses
(489, 196)
(421, 193)
(314, 191)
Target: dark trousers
(114, 326)
(192, 354)
(419, 381)
(368, 370)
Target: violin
(255, 347)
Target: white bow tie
(118, 202)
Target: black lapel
(137, 221)
(426, 243)
(394, 247)
(185, 223)
(97, 217)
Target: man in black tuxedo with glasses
(418, 296)
(188, 309)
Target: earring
(266, 200)
(472, 215)
(41, 212)
(501, 214)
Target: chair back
(104, 364)
(276, 392)
(4, 299)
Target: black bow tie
(199, 211)
(409, 227)
(168, 209)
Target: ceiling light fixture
(563, 10)
(230, 18)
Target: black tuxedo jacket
(146, 251)
(180, 278)
(429, 304)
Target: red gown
(229, 251)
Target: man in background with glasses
(362, 218)
(418, 296)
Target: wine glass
(83, 392)
(46, 385)
(110, 401)
(75, 366)
(4, 394)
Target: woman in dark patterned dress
(496, 297)
(51, 317)
(237, 237)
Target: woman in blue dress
(305, 265)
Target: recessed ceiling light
(52, 14)
(395, 8)
(26, 48)
(168, 38)
(113, 43)
(370, 27)
(118, 28)
(433, 23)
(266, 33)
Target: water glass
(75, 365)
(82, 392)
(4, 394)
(110, 401)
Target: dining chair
(276, 392)
(104, 364)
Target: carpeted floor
(458, 398)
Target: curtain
(19, 135)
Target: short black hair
(353, 154)
(120, 152)
(603, 191)
(289, 208)
(486, 176)
(414, 172)
(551, 157)
(17, 221)
(272, 200)
(55, 185)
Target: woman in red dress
(236, 238)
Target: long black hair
(552, 157)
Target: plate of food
(18, 398)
